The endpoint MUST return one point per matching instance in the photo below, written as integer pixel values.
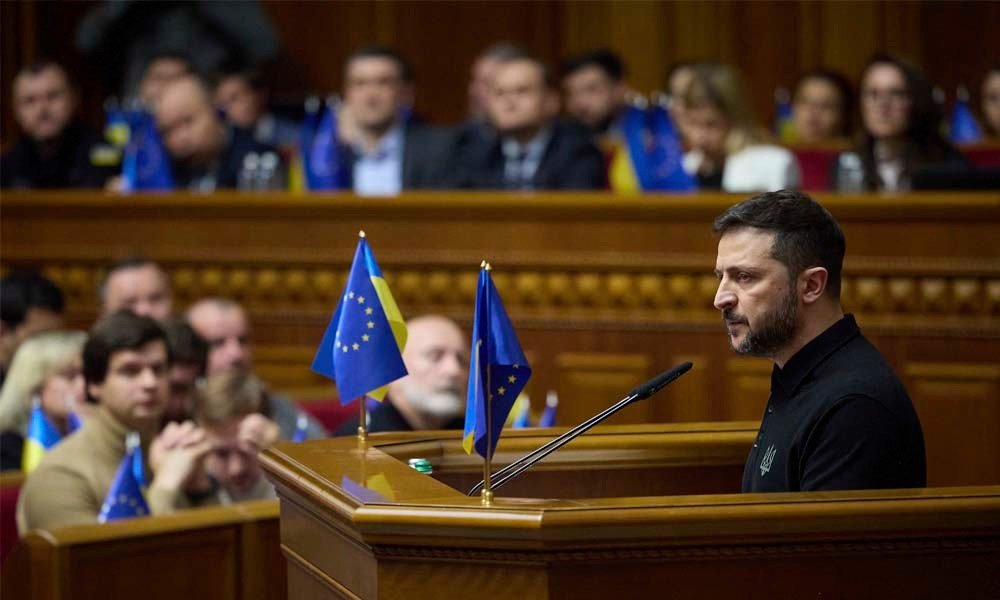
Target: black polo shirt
(838, 419)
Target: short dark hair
(171, 54)
(122, 330)
(604, 59)
(376, 51)
(21, 291)
(186, 346)
(503, 51)
(806, 234)
(134, 261)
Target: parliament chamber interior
(286, 284)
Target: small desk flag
(146, 165)
(362, 347)
(548, 418)
(963, 126)
(42, 435)
(125, 499)
(498, 373)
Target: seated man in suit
(242, 96)
(595, 91)
(224, 325)
(55, 150)
(432, 395)
(532, 150)
(139, 285)
(205, 153)
(386, 150)
(125, 365)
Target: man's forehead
(745, 244)
(49, 75)
(153, 350)
(136, 276)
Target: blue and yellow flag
(324, 165)
(784, 125)
(666, 154)
(498, 371)
(125, 499)
(42, 435)
(301, 428)
(146, 165)
(548, 418)
(362, 347)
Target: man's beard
(775, 331)
(442, 404)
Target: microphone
(640, 392)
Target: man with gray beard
(432, 395)
(838, 417)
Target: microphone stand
(524, 463)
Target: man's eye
(744, 277)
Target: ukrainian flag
(363, 344)
(42, 435)
(125, 499)
(498, 373)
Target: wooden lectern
(622, 512)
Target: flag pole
(487, 493)
(363, 411)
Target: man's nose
(724, 298)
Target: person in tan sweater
(125, 364)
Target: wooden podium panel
(625, 511)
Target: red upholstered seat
(330, 413)
(9, 493)
(983, 155)
(816, 167)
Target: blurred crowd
(530, 126)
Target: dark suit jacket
(241, 142)
(426, 154)
(570, 161)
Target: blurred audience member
(29, 304)
(205, 154)
(387, 151)
(481, 79)
(162, 69)
(139, 285)
(822, 105)
(125, 366)
(432, 394)
(595, 90)
(900, 130)
(729, 150)
(231, 407)
(679, 75)
(242, 97)
(123, 36)
(224, 325)
(991, 103)
(190, 358)
(55, 150)
(532, 149)
(47, 369)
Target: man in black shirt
(432, 394)
(55, 151)
(838, 417)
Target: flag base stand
(363, 420)
(487, 497)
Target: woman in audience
(729, 150)
(991, 103)
(821, 107)
(900, 130)
(46, 368)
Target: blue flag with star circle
(362, 348)
(125, 499)
(498, 370)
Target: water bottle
(850, 174)
(270, 176)
(247, 179)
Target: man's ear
(94, 391)
(813, 284)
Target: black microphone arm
(524, 463)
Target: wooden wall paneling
(900, 24)
(638, 35)
(748, 390)
(959, 408)
(590, 382)
(849, 36)
(767, 46)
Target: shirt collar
(533, 150)
(813, 354)
(391, 144)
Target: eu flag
(362, 347)
(634, 130)
(498, 372)
(324, 165)
(146, 165)
(42, 435)
(125, 499)
(666, 155)
(963, 126)
(548, 418)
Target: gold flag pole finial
(488, 266)
(361, 233)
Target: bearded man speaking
(838, 417)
